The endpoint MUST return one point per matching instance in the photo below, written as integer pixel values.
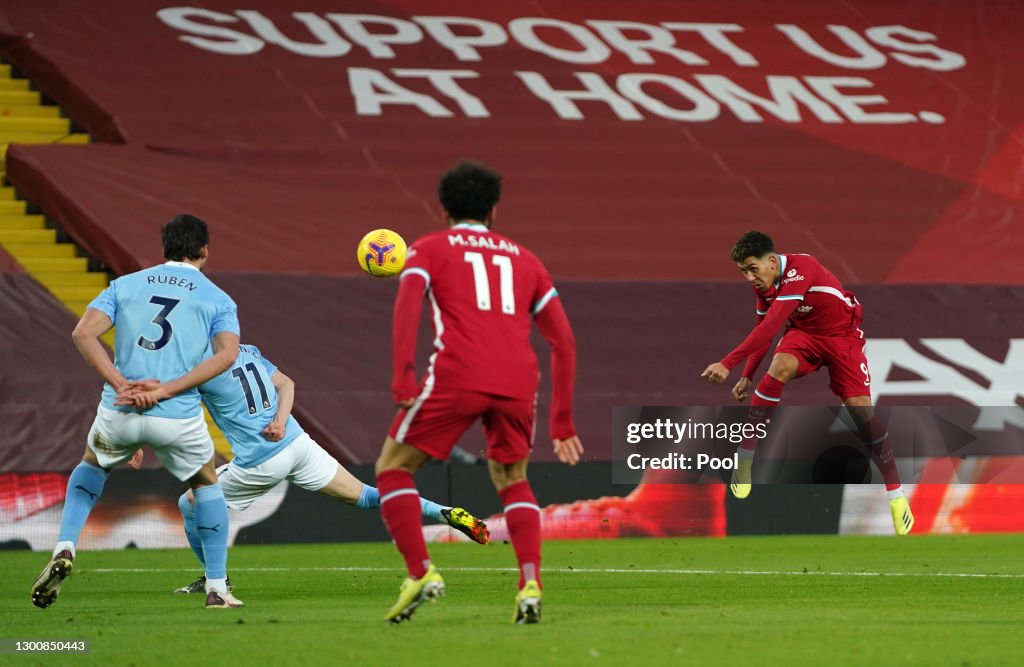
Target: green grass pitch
(923, 600)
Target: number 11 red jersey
(483, 289)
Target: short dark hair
(469, 191)
(752, 244)
(183, 237)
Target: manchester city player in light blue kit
(165, 319)
(251, 402)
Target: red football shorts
(848, 374)
(433, 425)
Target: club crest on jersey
(474, 241)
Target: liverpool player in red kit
(823, 330)
(485, 290)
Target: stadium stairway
(57, 266)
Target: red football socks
(522, 516)
(400, 509)
(876, 437)
(766, 397)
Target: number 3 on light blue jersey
(167, 305)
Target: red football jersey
(484, 290)
(826, 309)
(810, 297)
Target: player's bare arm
(86, 336)
(285, 387)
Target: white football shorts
(182, 445)
(303, 463)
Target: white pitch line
(578, 570)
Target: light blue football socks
(84, 488)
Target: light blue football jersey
(242, 401)
(164, 318)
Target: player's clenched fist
(274, 431)
(742, 389)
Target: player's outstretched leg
(84, 488)
(522, 515)
(467, 524)
(457, 517)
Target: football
(381, 253)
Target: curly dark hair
(183, 237)
(752, 244)
(469, 191)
